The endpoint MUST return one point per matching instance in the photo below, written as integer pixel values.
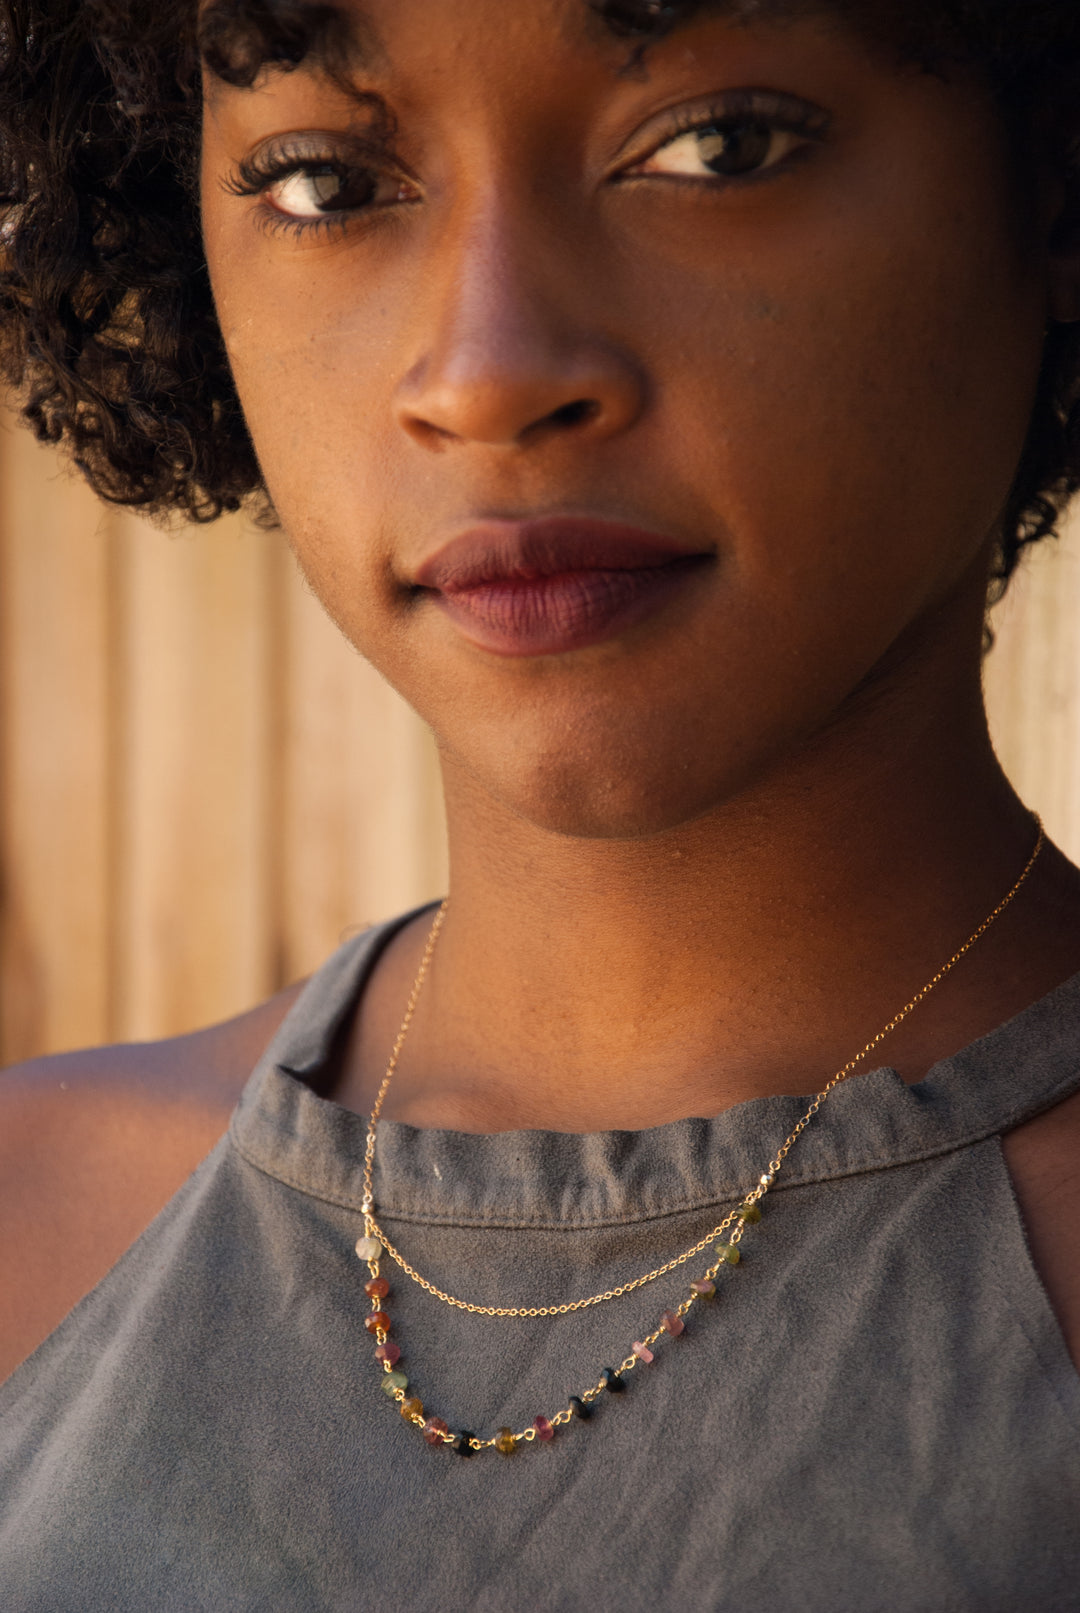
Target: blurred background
(203, 789)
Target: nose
(510, 352)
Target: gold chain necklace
(374, 1243)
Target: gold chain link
(374, 1230)
(546, 1310)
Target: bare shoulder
(1043, 1157)
(92, 1145)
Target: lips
(547, 586)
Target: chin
(598, 770)
(573, 797)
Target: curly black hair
(107, 324)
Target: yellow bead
(505, 1442)
(412, 1407)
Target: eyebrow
(237, 39)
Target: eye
(736, 136)
(727, 151)
(321, 189)
(306, 185)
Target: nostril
(565, 418)
(574, 414)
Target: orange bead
(377, 1322)
(377, 1288)
(412, 1407)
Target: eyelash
(255, 175)
(739, 109)
(749, 107)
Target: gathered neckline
(555, 1179)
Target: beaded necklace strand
(725, 1239)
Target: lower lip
(568, 611)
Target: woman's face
(628, 410)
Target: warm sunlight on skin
(768, 302)
(647, 415)
(802, 371)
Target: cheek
(311, 372)
(859, 422)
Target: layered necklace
(724, 1240)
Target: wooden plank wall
(1032, 681)
(204, 788)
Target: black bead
(613, 1382)
(460, 1443)
(580, 1408)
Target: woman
(652, 392)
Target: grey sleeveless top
(876, 1412)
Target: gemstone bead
(505, 1442)
(412, 1407)
(750, 1213)
(377, 1322)
(728, 1253)
(389, 1353)
(461, 1443)
(544, 1429)
(369, 1248)
(580, 1408)
(612, 1381)
(393, 1381)
(673, 1323)
(643, 1353)
(703, 1288)
(434, 1430)
(376, 1288)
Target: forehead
(238, 38)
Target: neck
(593, 984)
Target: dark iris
(735, 149)
(335, 191)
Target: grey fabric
(877, 1412)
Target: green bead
(728, 1252)
(393, 1381)
(750, 1213)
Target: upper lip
(501, 551)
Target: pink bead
(389, 1353)
(434, 1429)
(704, 1287)
(544, 1429)
(673, 1323)
(643, 1353)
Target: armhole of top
(1026, 1293)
